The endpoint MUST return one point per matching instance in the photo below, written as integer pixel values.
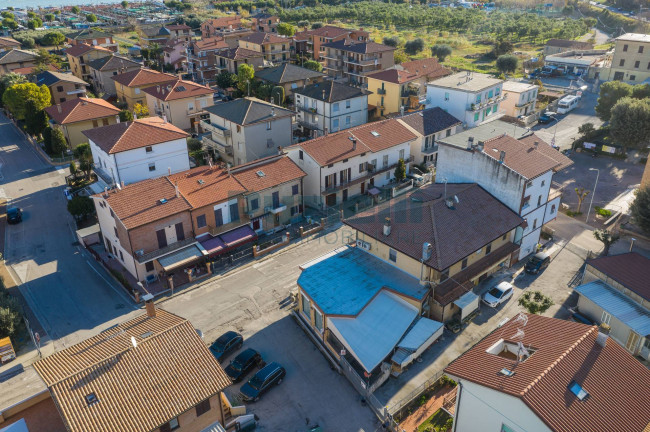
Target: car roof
(503, 285)
(540, 255)
(268, 370)
(12, 210)
(246, 355)
(227, 336)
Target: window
(201, 221)
(234, 212)
(363, 166)
(605, 318)
(385, 161)
(95, 124)
(295, 210)
(148, 149)
(306, 307)
(478, 98)
(488, 249)
(622, 63)
(63, 99)
(388, 175)
(448, 132)
(535, 224)
(625, 48)
(202, 407)
(294, 189)
(526, 202)
(190, 106)
(170, 426)
(392, 255)
(301, 155)
(539, 201)
(268, 125)
(348, 119)
(152, 166)
(637, 64)
(137, 91)
(121, 256)
(180, 234)
(463, 265)
(335, 107)
(318, 320)
(162, 238)
(347, 104)
(476, 117)
(59, 88)
(641, 49)
(104, 122)
(401, 154)
(543, 182)
(218, 217)
(148, 266)
(553, 209)
(335, 124)
(275, 197)
(632, 77)
(254, 204)
(269, 142)
(504, 236)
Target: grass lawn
(436, 422)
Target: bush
(573, 213)
(535, 302)
(121, 279)
(441, 51)
(413, 47)
(391, 41)
(10, 315)
(603, 212)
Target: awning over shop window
(180, 258)
(467, 303)
(238, 235)
(212, 244)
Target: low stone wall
(257, 252)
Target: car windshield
(237, 364)
(534, 260)
(495, 292)
(255, 382)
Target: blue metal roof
(617, 304)
(345, 282)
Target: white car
(498, 294)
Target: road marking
(129, 300)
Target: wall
(108, 224)
(265, 199)
(144, 237)
(391, 100)
(252, 143)
(479, 409)
(418, 151)
(62, 95)
(178, 111)
(458, 103)
(103, 82)
(189, 422)
(311, 183)
(132, 95)
(208, 212)
(73, 131)
(133, 165)
(632, 74)
(8, 67)
(526, 101)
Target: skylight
(146, 335)
(577, 390)
(506, 372)
(375, 133)
(261, 174)
(91, 398)
(163, 201)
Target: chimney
(169, 171)
(272, 112)
(117, 119)
(149, 305)
(603, 334)
(280, 152)
(480, 146)
(354, 143)
(502, 157)
(401, 111)
(58, 108)
(536, 144)
(158, 89)
(210, 162)
(323, 94)
(470, 143)
(122, 183)
(176, 188)
(164, 118)
(387, 227)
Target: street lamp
(594, 191)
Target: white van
(567, 104)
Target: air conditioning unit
(363, 245)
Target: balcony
(484, 104)
(367, 62)
(195, 111)
(77, 91)
(310, 110)
(222, 148)
(218, 131)
(523, 104)
(381, 91)
(332, 57)
(371, 172)
(308, 124)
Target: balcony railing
(217, 130)
(523, 104)
(310, 110)
(381, 91)
(366, 62)
(220, 147)
(484, 104)
(308, 124)
(372, 171)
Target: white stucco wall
(326, 116)
(458, 102)
(107, 224)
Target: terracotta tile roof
(259, 38)
(180, 89)
(410, 71)
(9, 42)
(475, 220)
(338, 146)
(546, 149)
(211, 43)
(223, 21)
(136, 134)
(521, 156)
(202, 186)
(81, 49)
(631, 270)
(238, 53)
(142, 77)
(81, 109)
(276, 171)
(564, 351)
(137, 388)
(359, 47)
(139, 203)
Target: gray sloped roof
(287, 73)
(87, 34)
(112, 63)
(430, 120)
(16, 56)
(49, 78)
(330, 91)
(246, 111)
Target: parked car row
(502, 291)
(268, 376)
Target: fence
(394, 408)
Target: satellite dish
(133, 342)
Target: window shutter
(234, 212)
(218, 218)
(180, 235)
(162, 238)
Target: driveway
(70, 296)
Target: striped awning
(180, 258)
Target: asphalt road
(71, 297)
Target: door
(276, 199)
(372, 182)
(363, 188)
(257, 225)
(345, 194)
(632, 342)
(276, 219)
(330, 200)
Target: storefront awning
(238, 235)
(212, 245)
(467, 303)
(180, 258)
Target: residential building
(146, 148)
(7, 43)
(150, 35)
(615, 291)
(154, 356)
(420, 235)
(230, 59)
(201, 58)
(518, 172)
(329, 106)
(403, 86)
(355, 161)
(519, 98)
(537, 373)
(247, 129)
(430, 126)
(63, 86)
(275, 49)
(469, 96)
(129, 86)
(102, 69)
(212, 26)
(80, 55)
(92, 37)
(13, 59)
(310, 42)
(347, 58)
(289, 76)
(265, 23)
(556, 46)
(232, 37)
(180, 32)
(182, 103)
(175, 53)
(631, 61)
(76, 115)
(593, 64)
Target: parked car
(225, 344)
(498, 294)
(269, 375)
(14, 215)
(546, 118)
(243, 363)
(418, 180)
(537, 263)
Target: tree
(28, 42)
(507, 63)
(91, 18)
(286, 29)
(313, 65)
(400, 170)
(126, 115)
(31, 14)
(194, 145)
(640, 209)
(582, 194)
(49, 17)
(35, 119)
(7, 14)
(10, 23)
(502, 47)
(8, 80)
(316, 25)
(606, 238)
(35, 23)
(245, 74)
(44, 59)
(641, 91)
(15, 97)
(441, 51)
(55, 39)
(586, 129)
(610, 93)
(391, 41)
(413, 47)
(278, 95)
(75, 10)
(303, 23)
(47, 140)
(81, 207)
(535, 302)
(85, 157)
(125, 4)
(73, 169)
(10, 315)
(58, 142)
(629, 123)
(226, 79)
(140, 111)
(400, 56)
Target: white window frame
(606, 318)
(318, 314)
